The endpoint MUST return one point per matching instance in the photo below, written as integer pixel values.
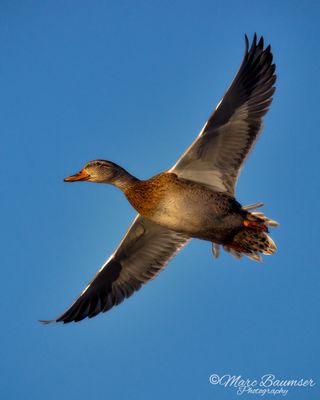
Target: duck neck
(123, 180)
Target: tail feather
(253, 206)
(253, 240)
(259, 216)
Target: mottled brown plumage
(194, 199)
(186, 206)
(146, 195)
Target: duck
(193, 199)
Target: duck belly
(209, 217)
(187, 207)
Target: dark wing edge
(141, 256)
(253, 83)
(216, 156)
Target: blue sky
(134, 82)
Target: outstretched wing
(143, 253)
(216, 156)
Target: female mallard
(194, 199)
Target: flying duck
(193, 199)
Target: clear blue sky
(134, 82)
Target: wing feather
(216, 156)
(142, 255)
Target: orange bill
(80, 176)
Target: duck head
(101, 171)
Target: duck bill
(80, 176)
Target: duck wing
(142, 255)
(216, 156)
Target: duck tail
(253, 240)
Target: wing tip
(47, 321)
(246, 39)
(261, 44)
(257, 43)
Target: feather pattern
(216, 156)
(143, 253)
(214, 160)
